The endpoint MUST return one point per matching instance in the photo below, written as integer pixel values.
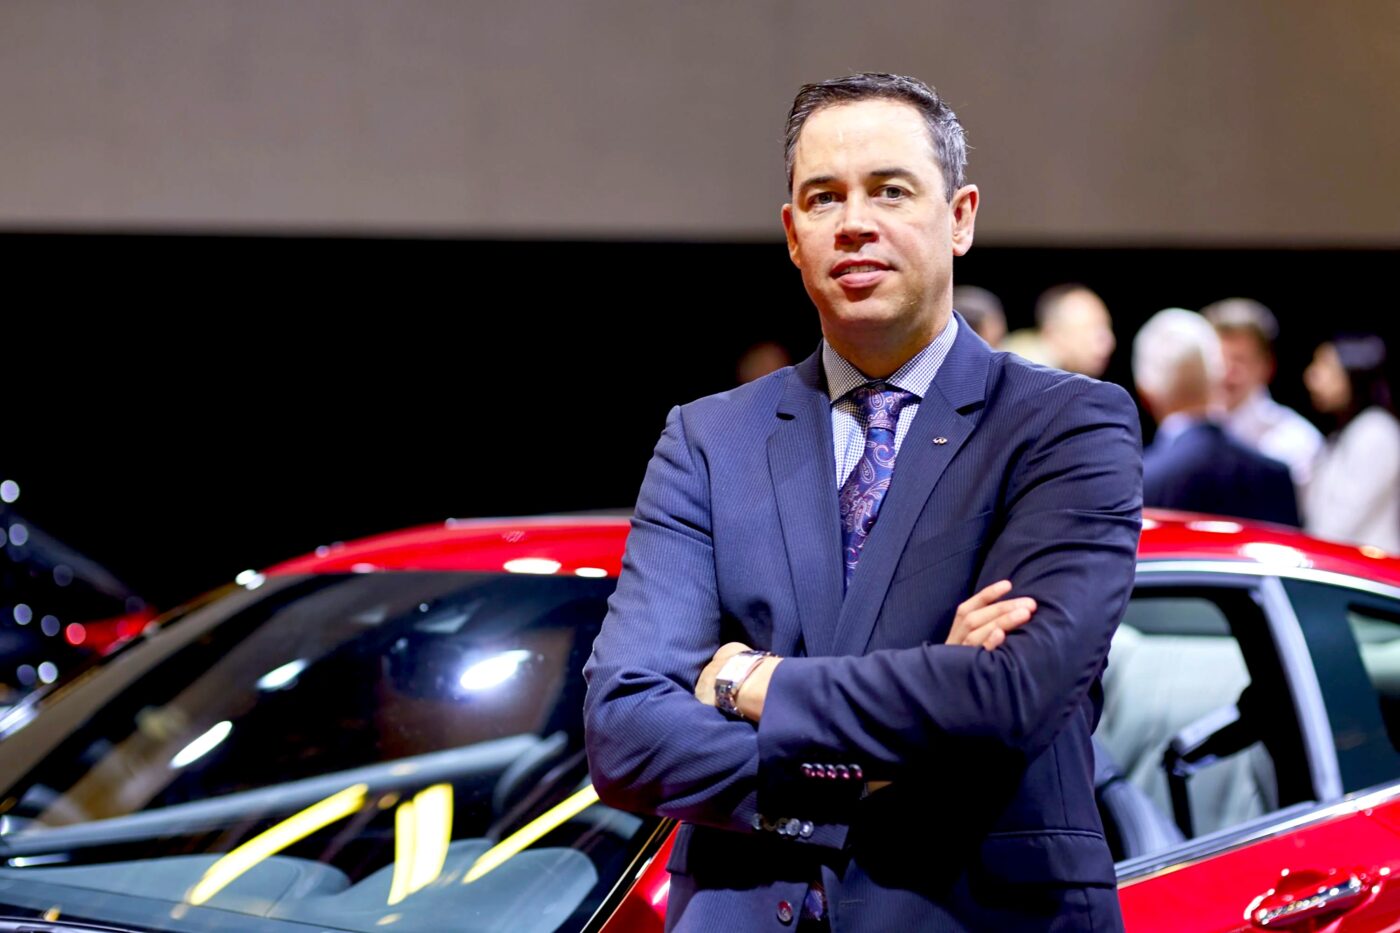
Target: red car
(386, 735)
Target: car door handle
(1308, 895)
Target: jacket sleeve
(652, 746)
(1069, 540)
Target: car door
(1312, 856)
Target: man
(1247, 333)
(1192, 464)
(1073, 332)
(1076, 329)
(882, 769)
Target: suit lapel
(802, 465)
(945, 420)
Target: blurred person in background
(1193, 464)
(983, 311)
(759, 360)
(1073, 332)
(1247, 333)
(1354, 492)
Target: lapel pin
(940, 440)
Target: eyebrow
(893, 171)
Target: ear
(964, 218)
(794, 252)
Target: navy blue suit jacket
(1203, 469)
(1009, 470)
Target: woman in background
(1354, 494)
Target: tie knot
(880, 404)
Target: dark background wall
(181, 408)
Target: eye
(892, 192)
(821, 198)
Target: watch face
(731, 677)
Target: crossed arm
(1073, 509)
(982, 621)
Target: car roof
(1187, 536)
(591, 545)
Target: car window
(1188, 664)
(1354, 639)
(357, 752)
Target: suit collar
(802, 466)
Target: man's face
(870, 225)
(1247, 366)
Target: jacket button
(784, 912)
(831, 772)
(808, 770)
(843, 772)
(857, 773)
(757, 821)
(807, 829)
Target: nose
(857, 221)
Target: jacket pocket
(1059, 856)
(932, 549)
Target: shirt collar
(913, 377)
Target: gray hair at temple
(1177, 358)
(949, 142)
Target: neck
(880, 354)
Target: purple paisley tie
(869, 481)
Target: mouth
(859, 273)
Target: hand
(705, 686)
(984, 619)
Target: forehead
(1241, 341)
(861, 135)
(1082, 306)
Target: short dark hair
(949, 141)
(1244, 316)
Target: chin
(868, 313)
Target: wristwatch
(731, 677)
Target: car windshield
(379, 751)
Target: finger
(979, 635)
(1004, 623)
(985, 596)
(980, 617)
(988, 637)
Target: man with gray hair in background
(1193, 464)
(1247, 333)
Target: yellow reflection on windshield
(422, 833)
(291, 830)
(531, 833)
